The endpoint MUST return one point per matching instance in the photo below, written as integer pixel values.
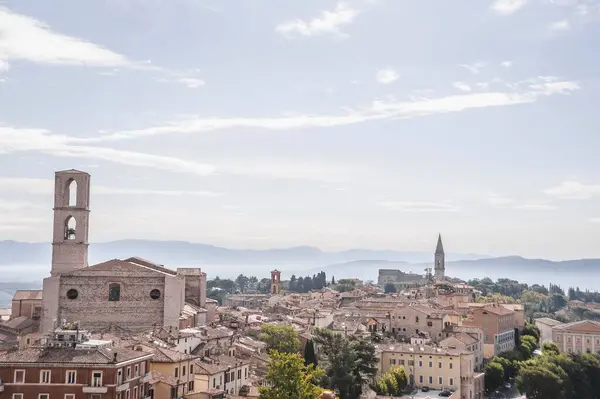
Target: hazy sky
(364, 123)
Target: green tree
(389, 288)
(550, 348)
(557, 302)
(288, 377)
(365, 365)
(242, 282)
(332, 280)
(280, 338)
(494, 376)
(399, 375)
(309, 353)
(539, 382)
(531, 330)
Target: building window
(183, 371)
(136, 371)
(451, 382)
(239, 374)
(96, 396)
(114, 292)
(127, 394)
(430, 364)
(45, 377)
(155, 294)
(143, 368)
(191, 369)
(97, 379)
(17, 396)
(19, 377)
(214, 382)
(429, 324)
(450, 365)
(440, 380)
(176, 372)
(69, 396)
(439, 365)
(430, 379)
(71, 377)
(72, 293)
(135, 392)
(43, 396)
(119, 376)
(421, 379)
(191, 386)
(246, 371)
(128, 374)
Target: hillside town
(134, 329)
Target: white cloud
(511, 203)
(574, 190)
(563, 25)
(46, 186)
(4, 66)
(378, 110)
(462, 86)
(419, 206)
(192, 83)
(506, 64)
(25, 38)
(595, 220)
(505, 7)
(475, 68)
(14, 140)
(386, 76)
(329, 23)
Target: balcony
(90, 389)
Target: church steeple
(439, 260)
(439, 249)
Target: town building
(27, 303)
(435, 367)
(70, 365)
(133, 294)
(498, 325)
(545, 325)
(577, 337)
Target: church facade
(132, 294)
(397, 277)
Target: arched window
(114, 292)
(70, 228)
(72, 192)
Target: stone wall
(135, 310)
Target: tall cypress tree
(309, 353)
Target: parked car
(446, 393)
(425, 389)
(507, 386)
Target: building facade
(546, 325)
(498, 325)
(577, 337)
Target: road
(507, 393)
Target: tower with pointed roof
(440, 260)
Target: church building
(131, 294)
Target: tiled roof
(420, 350)
(590, 326)
(548, 321)
(211, 368)
(497, 310)
(18, 323)
(22, 295)
(158, 376)
(118, 265)
(162, 355)
(99, 356)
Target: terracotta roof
(139, 261)
(211, 368)
(548, 321)
(118, 265)
(158, 376)
(588, 326)
(99, 356)
(18, 323)
(22, 295)
(162, 355)
(420, 350)
(497, 310)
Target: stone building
(546, 324)
(498, 325)
(577, 337)
(132, 294)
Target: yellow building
(436, 368)
(577, 337)
(171, 372)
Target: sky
(337, 124)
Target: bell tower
(440, 260)
(71, 221)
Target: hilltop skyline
(357, 124)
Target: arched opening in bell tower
(70, 228)
(72, 192)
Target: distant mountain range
(186, 253)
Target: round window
(72, 294)
(155, 294)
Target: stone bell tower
(275, 282)
(71, 221)
(440, 260)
